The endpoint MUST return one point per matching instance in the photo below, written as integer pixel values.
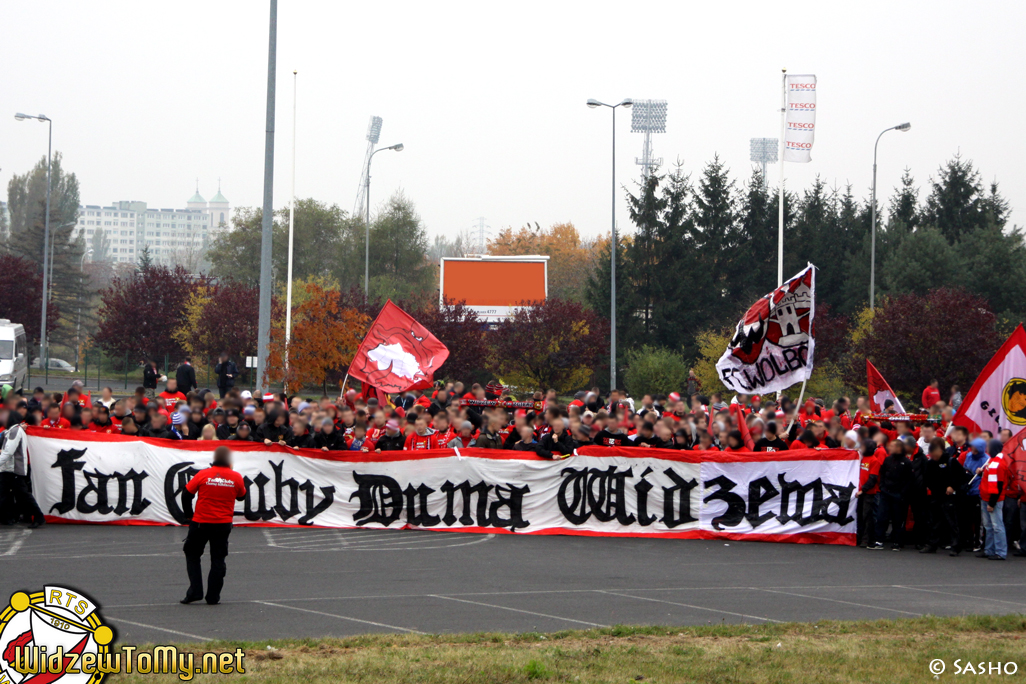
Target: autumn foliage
(22, 285)
(324, 337)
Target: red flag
(997, 399)
(1015, 451)
(398, 353)
(880, 391)
(742, 426)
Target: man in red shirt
(422, 437)
(54, 420)
(171, 396)
(216, 489)
(931, 395)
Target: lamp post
(626, 104)
(46, 230)
(366, 261)
(292, 221)
(872, 248)
(78, 315)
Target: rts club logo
(1013, 401)
(53, 635)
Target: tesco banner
(802, 496)
(800, 131)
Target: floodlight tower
(648, 117)
(764, 151)
(373, 134)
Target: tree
(947, 334)
(552, 344)
(324, 339)
(922, 261)
(957, 205)
(219, 318)
(100, 246)
(398, 249)
(235, 253)
(145, 259)
(22, 285)
(651, 370)
(140, 313)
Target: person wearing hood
(971, 520)
(892, 499)
(993, 483)
(850, 440)
(274, 430)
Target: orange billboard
(494, 286)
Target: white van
(13, 354)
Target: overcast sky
(489, 98)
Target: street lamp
(78, 321)
(872, 248)
(46, 230)
(366, 262)
(626, 104)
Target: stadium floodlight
(648, 117)
(374, 130)
(764, 151)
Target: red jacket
(61, 424)
(415, 442)
(216, 489)
(871, 466)
(994, 479)
(931, 395)
(171, 399)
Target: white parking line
(12, 540)
(339, 617)
(517, 610)
(688, 605)
(847, 603)
(159, 629)
(948, 593)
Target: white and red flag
(398, 353)
(997, 399)
(772, 346)
(879, 391)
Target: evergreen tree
(758, 224)
(904, 206)
(956, 205)
(145, 259)
(643, 251)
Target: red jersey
(417, 442)
(216, 489)
(108, 429)
(994, 473)
(171, 399)
(374, 433)
(83, 401)
(60, 424)
(871, 466)
(931, 395)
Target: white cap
(246, 394)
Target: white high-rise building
(174, 236)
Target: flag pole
(780, 208)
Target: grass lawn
(890, 651)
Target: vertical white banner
(800, 131)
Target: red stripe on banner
(842, 538)
(492, 454)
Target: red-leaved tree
(462, 332)
(228, 322)
(139, 313)
(22, 287)
(556, 344)
(947, 334)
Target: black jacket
(896, 475)
(237, 438)
(224, 430)
(533, 447)
(336, 441)
(223, 370)
(564, 444)
(270, 431)
(919, 464)
(186, 377)
(162, 433)
(305, 441)
(386, 443)
(943, 473)
(607, 438)
(150, 377)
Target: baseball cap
(246, 394)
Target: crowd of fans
(924, 482)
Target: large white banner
(800, 132)
(798, 496)
(773, 344)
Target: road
(286, 582)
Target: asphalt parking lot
(285, 582)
